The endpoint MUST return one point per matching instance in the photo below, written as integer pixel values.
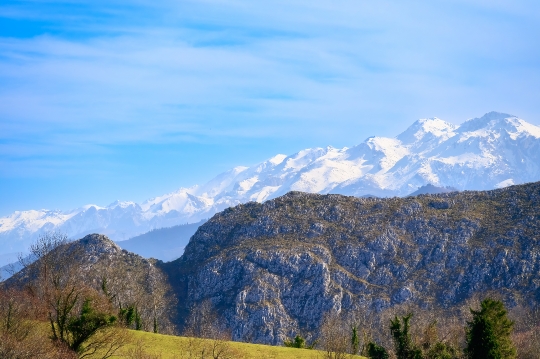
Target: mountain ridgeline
(273, 269)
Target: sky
(106, 100)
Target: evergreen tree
(481, 340)
(130, 317)
(299, 342)
(405, 348)
(488, 334)
(355, 341)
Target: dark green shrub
(85, 325)
(298, 342)
(375, 351)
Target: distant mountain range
(493, 151)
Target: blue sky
(106, 100)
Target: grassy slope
(170, 347)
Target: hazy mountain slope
(8, 270)
(431, 189)
(165, 244)
(493, 151)
(8, 258)
(273, 269)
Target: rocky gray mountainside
(274, 269)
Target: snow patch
(505, 183)
(277, 159)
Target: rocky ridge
(273, 269)
(90, 252)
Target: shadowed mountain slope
(431, 189)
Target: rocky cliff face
(275, 268)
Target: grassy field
(145, 345)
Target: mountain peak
(121, 204)
(277, 159)
(494, 115)
(499, 123)
(433, 127)
(97, 244)
(490, 118)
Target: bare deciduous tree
(203, 321)
(141, 289)
(206, 335)
(526, 336)
(431, 328)
(19, 336)
(78, 315)
(335, 337)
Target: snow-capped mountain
(493, 151)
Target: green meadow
(144, 345)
